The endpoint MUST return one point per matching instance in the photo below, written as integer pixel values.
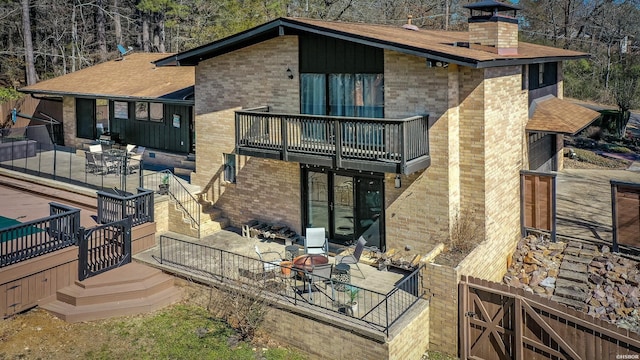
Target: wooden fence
(501, 322)
(32, 107)
(625, 209)
(538, 202)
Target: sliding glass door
(347, 205)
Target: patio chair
(95, 148)
(269, 264)
(355, 257)
(315, 242)
(90, 165)
(106, 164)
(130, 148)
(135, 158)
(320, 274)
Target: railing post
(82, 253)
(405, 146)
(285, 143)
(150, 206)
(100, 210)
(338, 143)
(127, 239)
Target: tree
(28, 44)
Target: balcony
(398, 146)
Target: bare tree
(28, 44)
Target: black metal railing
(396, 145)
(117, 205)
(169, 184)
(28, 240)
(30, 150)
(374, 308)
(103, 248)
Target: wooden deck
(131, 289)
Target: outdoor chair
(269, 262)
(95, 148)
(355, 257)
(135, 158)
(90, 165)
(315, 242)
(106, 164)
(320, 274)
(130, 148)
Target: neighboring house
(392, 133)
(129, 98)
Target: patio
(383, 297)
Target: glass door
(343, 208)
(317, 193)
(346, 205)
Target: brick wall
(69, 121)
(411, 216)
(500, 34)
(253, 76)
(441, 283)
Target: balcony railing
(385, 145)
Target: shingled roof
(449, 46)
(131, 77)
(550, 114)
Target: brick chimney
(493, 27)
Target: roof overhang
(552, 115)
(288, 26)
(163, 99)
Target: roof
(550, 114)
(132, 77)
(433, 44)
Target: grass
(180, 332)
(593, 158)
(434, 355)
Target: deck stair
(128, 290)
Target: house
(128, 98)
(391, 133)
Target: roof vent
(409, 25)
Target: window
(121, 110)
(150, 112)
(102, 117)
(542, 75)
(353, 95)
(142, 111)
(230, 168)
(156, 112)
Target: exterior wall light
(398, 183)
(290, 73)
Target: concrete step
(188, 164)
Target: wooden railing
(386, 145)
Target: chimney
(493, 27)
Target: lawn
(177, 332)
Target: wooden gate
(625, 208)
(104, 247)
(538, 202)
(500, 322)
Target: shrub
(465, 234)
(7, 94)
(592, 132)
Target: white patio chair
(315, 242)
(95, 148)
(130, 148)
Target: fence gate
(625, 208)
(538, 202)
(501, 322)
(104, 247)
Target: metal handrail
(185, 200)
(222, 265)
